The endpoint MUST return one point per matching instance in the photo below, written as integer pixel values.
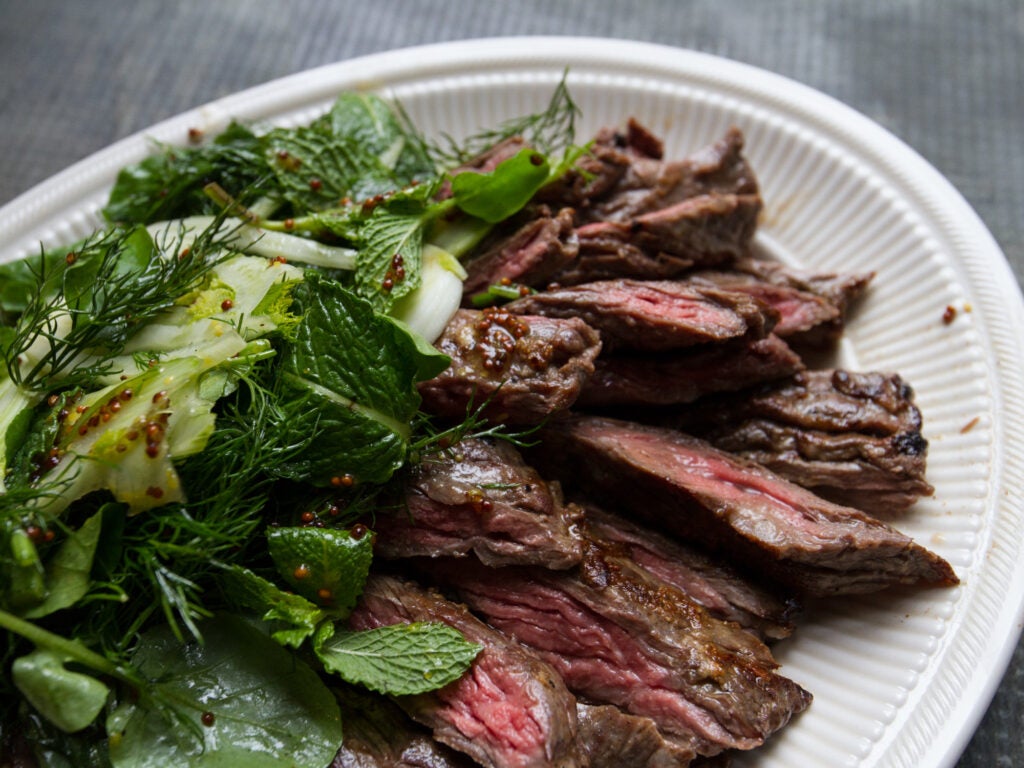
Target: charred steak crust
(612, 738)
(510, 710)
(520, 370)
(702, 232)
(683, 376)
(531, 250)
(480, 496)
(693, 490)
(854, 438)
(716, 586)
(616, 636)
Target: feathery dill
(551, 130)
(168, 554)
(86, 308)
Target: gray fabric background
(945, 76)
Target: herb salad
(198, 402)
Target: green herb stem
(69, 649)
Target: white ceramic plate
(899, 679)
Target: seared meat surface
(480, 496)
(854, 438)
(519, 370)
(510, 710)
(688, 487)
(652, 316)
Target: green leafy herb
(499, 194)
(401, 659)
(70, 700)
(293, 617)
(238, 698)
(349, 377)
(326, 566)
(68, 571)
(170, 184)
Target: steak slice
(379, 735)
(611, 738)
(518, 369)
(510, 710)
(854, 438)
(530, 254)
(479, 496)
(683, 376)
(652, 316)
(616, 636)
(687, 487)
(700, 232)
(840, 290)
(719, 588)
(651, 184)
(799, 311)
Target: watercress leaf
(70, 700)
(400, 659)
(263, 706)
(349, 387)
(497, 195)
(67, 572)
(324, 565)
(292, 617)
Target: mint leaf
(401, 659)
(497, 195)
(236, 699)
(70, 700)
(390, 245)
(316, 169)
(298, 615)
(371, 123)
(349, 387)
(325, 566)
(67, 572)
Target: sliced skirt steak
(480, 496)
(518, 370)
(686, 486)
(510, 710)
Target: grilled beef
(612, 738)
(799, 311)
(520, 370)
(682, 376)
(379, 735)
(719, 588)
(854, 438)
(839, 290)
(530, 251)
(510, 710)
(480, 496)
(685, 486)
(699, 232)
(617, 636)
(625, 176)
(652, 316)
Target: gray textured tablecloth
(945, 76)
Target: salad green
(199, 404)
